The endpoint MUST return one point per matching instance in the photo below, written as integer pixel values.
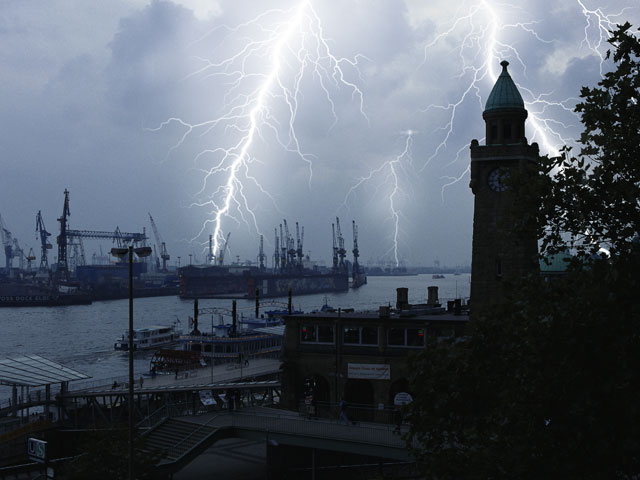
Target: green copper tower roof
(505, 94)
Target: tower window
(494, 132)
(498, 268)
(507, 131)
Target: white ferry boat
(147, 338)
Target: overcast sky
(117, 101)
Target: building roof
(505, 94)
(35, 371)
(404, 316)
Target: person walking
(141, 381)
(343, 412)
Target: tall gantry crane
(7, 245)
(223, 249)
(44, 243)
(63, 267)
(356, 252)
(161, 245)
(261, 255)
(283, 250)
(335, 247)
(30, 258)
(342, 252)
(357, 274)
(276, 253)
(290, 246)
(210, 256)
(299, 243)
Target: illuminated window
(316, 334)
(308, 333)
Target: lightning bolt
(264, 80)
(390, 170)
(480, 29)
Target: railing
(184, 445)
(353, 412)
(165, 411)
(368, 433)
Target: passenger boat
(437, 276)
(147, 338)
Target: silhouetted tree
(545, 385)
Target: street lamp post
(121, 253)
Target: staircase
(175, 438)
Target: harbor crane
(300, 240)
(163, 247)
(261, 256)
(357, 275)
(44, 243)
(276, 253)
(342, 252)
(210, 255)
(335, 247)
(66, 235)
(283, 250)
(7, 245)
(223, 249)
(290, 246)
(30, 257)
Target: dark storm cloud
(86, 83)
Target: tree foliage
(595, 197)
(545, 385)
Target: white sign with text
(369, 371)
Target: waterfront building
(360, 357)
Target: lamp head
(119, 252)
(142, 251)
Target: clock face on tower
(496, 180)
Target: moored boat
(147, 338)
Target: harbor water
(82, 337)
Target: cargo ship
(216, 281)
(24, 294)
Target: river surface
(82, 337)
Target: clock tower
(501, 253)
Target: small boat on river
(147, 338)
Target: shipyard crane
(358, 277)
(223, 249)
(163, 247)
(63, 267)
(30, 257)
(7, 245)
(283, 250)
(290, 245)
(276, 253)
(335, 248)
(341, 250)
(261, 256)
(44, 243)
(210, 255)
(300, 240)
(18, 253)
